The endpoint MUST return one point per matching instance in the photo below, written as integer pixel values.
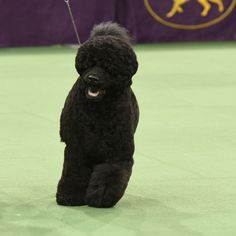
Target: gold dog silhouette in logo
(206, 4)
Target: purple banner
(47, 22)
(188, 20)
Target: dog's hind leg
(72, 186)
(108, 183)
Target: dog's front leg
(108, 183)
(72, 186)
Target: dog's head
(106, 62)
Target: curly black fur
(98, 121)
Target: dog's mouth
(95, 93)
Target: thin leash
(72, 20)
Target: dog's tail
(110, 29)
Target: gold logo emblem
(178, 7)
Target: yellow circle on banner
(189, 27)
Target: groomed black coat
(98, 121)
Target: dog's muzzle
(94, 90)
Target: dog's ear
(79, 62)
(129, 83)
(83, 59)
(134, 67)
(132, 64)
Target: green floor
(184, 178)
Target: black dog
(98, 121)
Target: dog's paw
(69, 200)
(101, 196)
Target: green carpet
(184, 178)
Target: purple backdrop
(47, 22)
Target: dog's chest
(98, 135)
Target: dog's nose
(93, 78)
